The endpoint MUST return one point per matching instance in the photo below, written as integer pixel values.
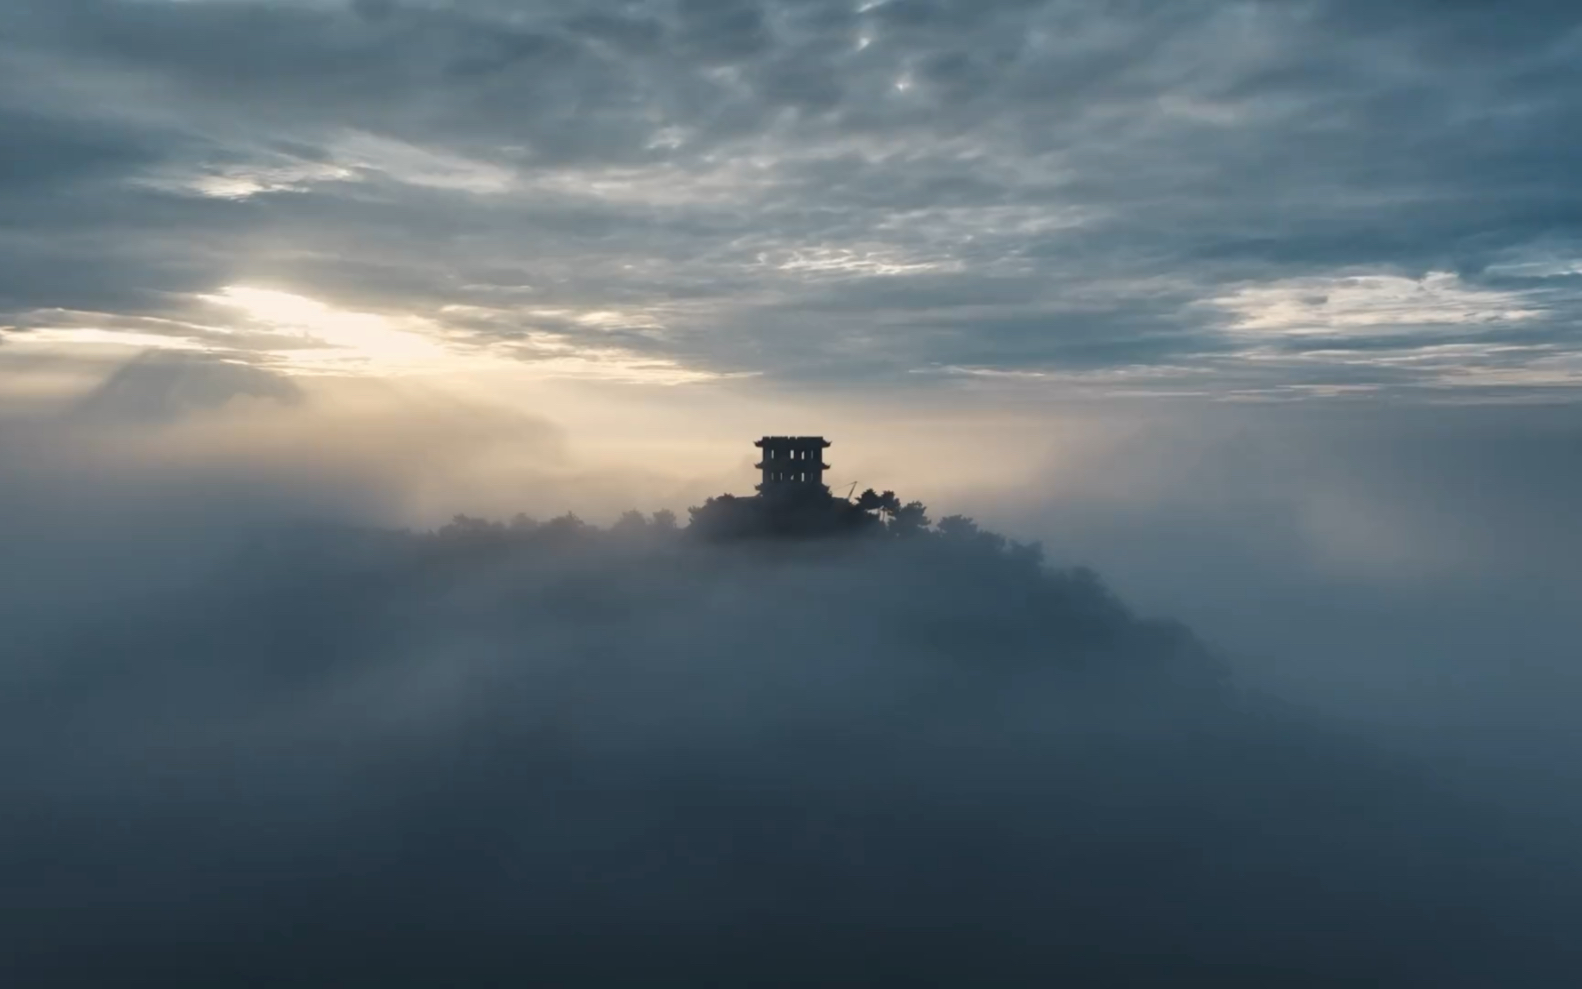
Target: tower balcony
(793, 466)
(793, 442)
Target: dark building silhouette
(792, 501)
(792, 464)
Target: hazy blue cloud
(377, 758)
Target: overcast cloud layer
(1246, 199)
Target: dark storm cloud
(938, 178)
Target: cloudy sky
(1292, 284)
(1237, 200)
(1284, 266)
(1269, 310)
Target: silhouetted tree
(1027, 554)
(958, 527)
(885, 505)
(723, 517)
(909, 520)
(632, 523)
(467, 528)
(565, 526)
(795, 514)
(798, 513)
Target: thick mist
(259, 733)
(1413, 571)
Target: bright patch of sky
(335, 338)
(1365, 304)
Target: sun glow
(335, 337)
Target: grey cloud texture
(829, 190)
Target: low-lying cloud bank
(359, 756)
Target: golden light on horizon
(346, 336)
